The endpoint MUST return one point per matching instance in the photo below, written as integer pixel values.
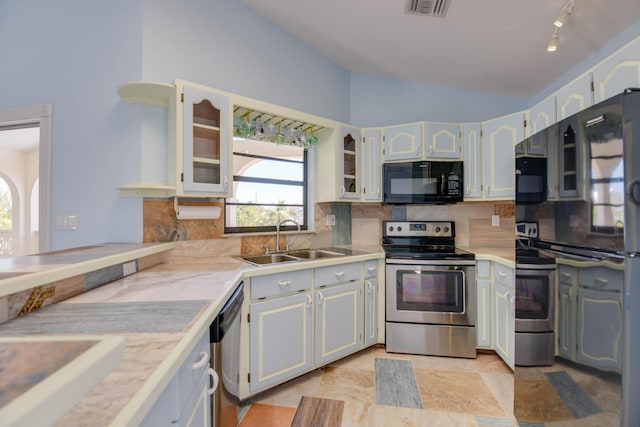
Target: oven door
(433, 292)
(535, 298)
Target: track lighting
(564, 15)
(553, 43)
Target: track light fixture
(558, 23)
(553, 43)
(564, 15)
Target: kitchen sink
(314, 254)
(266, 259)
(292, 256)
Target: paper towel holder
(195, 212)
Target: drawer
(603, 278)
(483, 269)
(280, 283)
(567, 275)
(370, 268)
(338, 273)
(503, 274)
(188, 376)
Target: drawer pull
(502, 274)
(204, 359)
(566, 275)
(601, 281)
(215, 379)
(371, 269)
(339, 273)
(284, 282)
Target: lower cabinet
(566, 331)
(370, 312)
(483, 295)
(280, 333)
(332, 315)
(505, 314)
(337, 322)
(186, 400)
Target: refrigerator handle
(633, 189)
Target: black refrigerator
(582, 211)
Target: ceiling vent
(427, 7)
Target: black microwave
(423, 182)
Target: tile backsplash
(356, 223)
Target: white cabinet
(504, 313)
(403, 142)
(500, 137)
(349, 163)
(542, 115)
(483, 286)
(280, 333)
(574, 97)
(200, 158)
(472, 160)
(186, 400)
(371, 165)
(443, 141)
(618, 72)
(370, 293)
(337, 322)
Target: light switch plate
(495, 220)
(331, 220)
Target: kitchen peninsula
(161, 312)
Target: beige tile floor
(454, 392)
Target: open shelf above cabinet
(150, 93)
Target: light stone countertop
(152, 359)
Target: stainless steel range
(431, 290)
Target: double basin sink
(292, 256)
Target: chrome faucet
(278, 231)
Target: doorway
(25, 187)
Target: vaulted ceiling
(490, 46)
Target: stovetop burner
(421, 240)
(532, 256)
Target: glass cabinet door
(206, 141)
(349, 161)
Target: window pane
(261, 216)
(252, 192)
(274, 169)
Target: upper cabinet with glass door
(349, 163)
(202, 149)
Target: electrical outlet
(66, 222)
(495, 220)
(331, 220)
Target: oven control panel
(418, 229)
(527, 229)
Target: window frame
(264, 180)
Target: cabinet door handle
(369, 287)
(215, 379)
(430, 149)
(507, 297)
(309, 300)
(284, 282)
(488, 189)
(341, 190)
(225, 182)
(204, 359)
(320, 298)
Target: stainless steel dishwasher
(224, 335)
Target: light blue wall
(73, 54)
(378, 102)
(226, 45)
